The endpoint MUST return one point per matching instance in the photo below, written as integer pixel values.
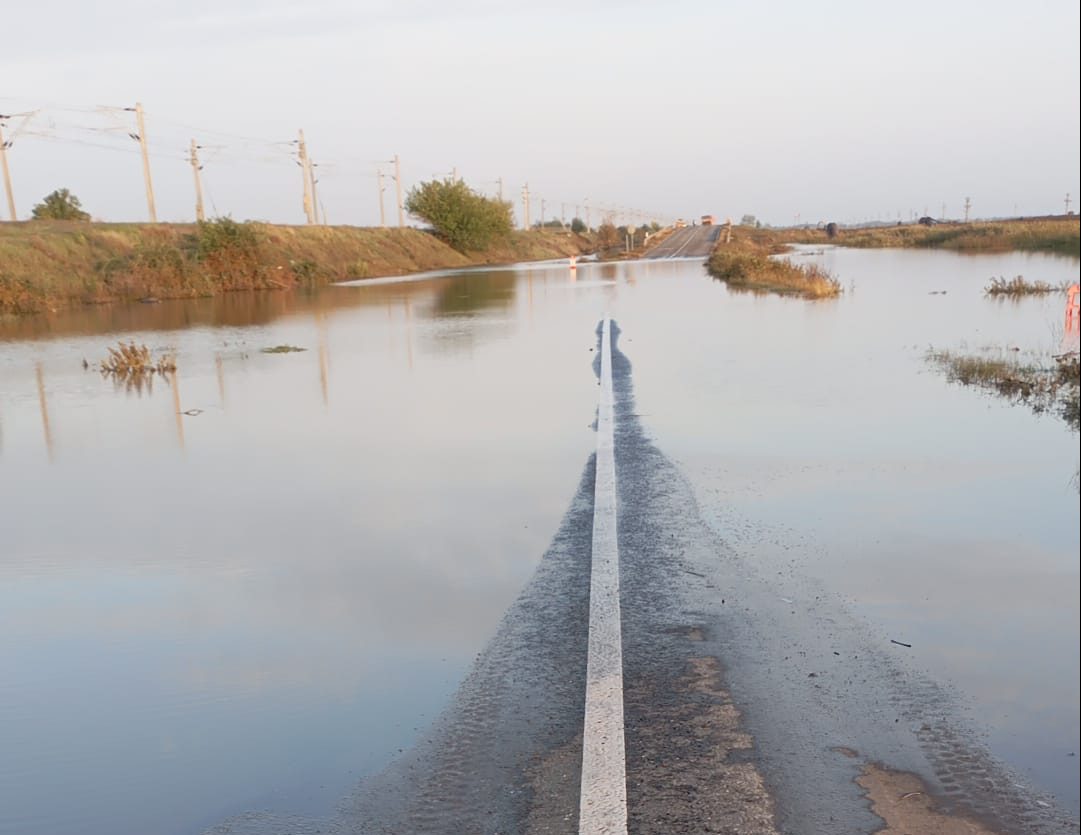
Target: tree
(748, 220)
(607, 234)
(578, 226)
(464, 218)
(60, 205)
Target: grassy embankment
(48, 265)
(1055, 235)
(1043, 388)
(744, 263)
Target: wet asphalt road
(749, 708)
(688, 242)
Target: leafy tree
(578, 226)
(607, 234)
(748, 220)
(464, 218)
(60, 205)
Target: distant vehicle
(928, 221)
(708, 220)
(680, 223)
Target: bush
(465, 219)
(578, 226)
(607, 235)
(60, 205)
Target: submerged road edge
(603, 808)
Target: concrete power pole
(544, 204)
(305, 171)
(525, 205)
(382, 210)
(398, 190)
(315, 199)
(1067, 193)
(193, 158)
(7, 173)
(589, 222)
(968, 206)
(500, 182)
(141, 123)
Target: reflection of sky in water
(252, 607)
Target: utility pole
(398, 190)
(382, 211)
(589, 223)
(315, 199)
(7, 173)
(193, 158)
(5, 170)
(525, 204)
(968, 205)
(943, 215)
(305, 172)
(141, 123)
(544, 204)
(500, 182)
(563, 215)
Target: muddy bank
(51, 265)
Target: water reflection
(277, 594)
(43, 403)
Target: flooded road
(253, 605)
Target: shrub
(464, 218)
(60, 205)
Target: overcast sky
(822, 111)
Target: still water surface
(254, 605)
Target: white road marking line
(603, 809)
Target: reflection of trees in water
(477, 292)
(452, 296)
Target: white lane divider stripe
(603, 805)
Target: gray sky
(830, 111)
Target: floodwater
(250, 585)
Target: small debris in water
(283, 349)
(900, 643)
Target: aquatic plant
(131, 360)
(1048, 387)
(1019, 286)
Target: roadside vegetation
(1050, 386)
(745, 263)
(1054, 235)
(464, 218)
(60, 205)
(46, 265)
(1020, 286)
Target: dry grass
(1020, 286)
(128, 360)
(1056, 235)
(45, 266)
(1049, 387)
(745, 264)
